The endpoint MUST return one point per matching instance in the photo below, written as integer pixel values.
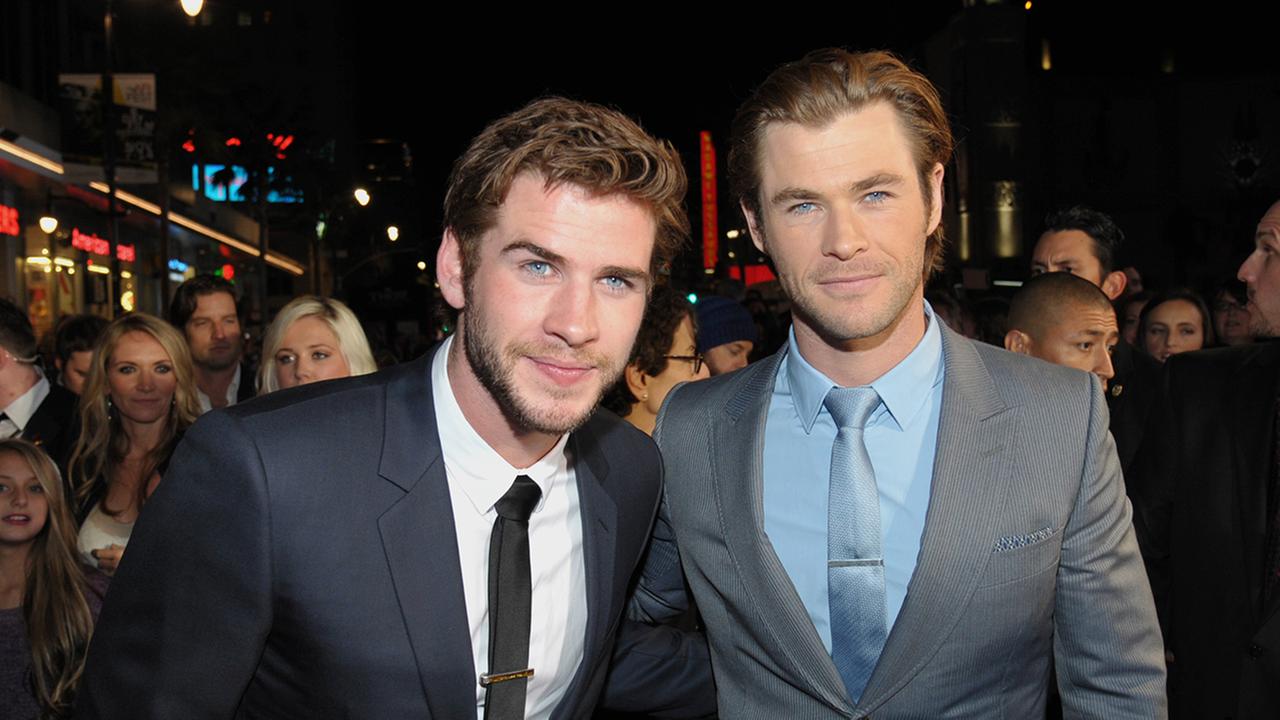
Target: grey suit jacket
(1028, 554)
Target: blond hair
(345, 326)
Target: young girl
(48, 600)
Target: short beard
(486, 363)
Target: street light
(192, 7)
(48, 224)
(393, 233)
(362, 196)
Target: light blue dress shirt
(901, 439)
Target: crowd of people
(908, 506)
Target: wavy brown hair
(567, 141)
(103, 442)
(54, 606)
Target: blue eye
(877, 196)
(803, 208)
(613, 282)
(538, 267)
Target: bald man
(1065, 320)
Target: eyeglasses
(697, 360)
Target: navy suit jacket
(300, 560)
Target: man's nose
(572, 314)
(843, 236)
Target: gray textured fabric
(1028, 554)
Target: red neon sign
(710, 226)
(9, 224)
(98, 246)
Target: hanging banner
(80, 103)
(710, 221)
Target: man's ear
(1114, 283)
(637, 382)
(449, 271)
(935, 193)
(1017, 341)
(753, 227)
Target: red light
(280, 156)
(9, 224)
(225, 251)
(228, 271)
(233, 142)
(287, 142)
(189, 146)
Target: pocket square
(1013, 542)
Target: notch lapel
(599, 555)
(738, 458)
(421, 545)
(969, 478)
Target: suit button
(1256, 651)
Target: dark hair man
(450, 537)
(73, 348)
(204, 308)
(880, 450)
(1065, 320)
(1086, 243)
(1216, 559)
(30, 406)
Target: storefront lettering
(98, 246)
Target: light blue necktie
(855, 557)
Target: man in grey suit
(885, 518)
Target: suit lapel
(969, 477)
(599, 534)
(738, 454)
(1253, 442)
(421, 545)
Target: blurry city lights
(422, 264)
(127, 300)
(320, 228)
(732, 234)
(191, 7)
(64, 262)
(37, 260)
(362, 196)
(48, 223)
(126, 274)
(393, 233)
(692, 298)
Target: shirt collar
(480, 472)
(25, 405)
(233, 392)
(903, 390)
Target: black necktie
(510, 603)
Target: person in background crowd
(797, 488)
(666, 353)
(1065, 320)
(1215, 565)
(30, 406)
(311, 339)
(1174, 322)
(1231, 314)
(73, 349)
(204, 308)
(139, 398)
(48, 600)
(726, 333)
(1088, 243)
(1130, 314)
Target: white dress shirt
(233, 391)
(478, 477)
(19, 412)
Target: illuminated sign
(177, 265)
(98, 246)
(755, 274)
(710, 225)
(231, 183)
(9, 221)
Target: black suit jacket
(1130, 396)
(54, 426)
(300, 560)
(1210, 472)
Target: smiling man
(453, 537)
(1065, 320)
(885, 518)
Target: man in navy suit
(325, 551)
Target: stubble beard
(494, 368)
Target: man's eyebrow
(801, 194)
(626, 273)
(534, 249)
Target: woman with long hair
(139, 398)
(1175, 322)
(48, 600)
(311, 339)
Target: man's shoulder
(1022, 379)
(336, 399)
(60, 402)
(1222, 364)
(718, 392)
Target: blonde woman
(48, 600)
(139, 397)
(311, 339)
